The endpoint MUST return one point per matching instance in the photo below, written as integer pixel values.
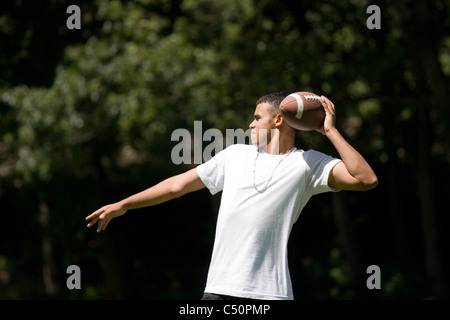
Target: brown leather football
(303, 111)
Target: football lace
(311, 97)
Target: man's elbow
(185, 183)
(369, 183)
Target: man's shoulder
(314, 158)
(313, 153)
(310, 156)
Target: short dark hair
(273, 99)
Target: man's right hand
(105, 214)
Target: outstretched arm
(353, 173)
(171, 188)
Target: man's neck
(280, 144)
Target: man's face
(263, 123)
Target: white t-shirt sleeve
(320, 166)
(212, 172)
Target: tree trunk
(348, 241)
(48, 260)
(432, 89)
(428, 211)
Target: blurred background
(86, 118)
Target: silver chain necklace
(273, 172)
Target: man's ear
(279, 120)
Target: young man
(264, 188)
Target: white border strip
(299, 105)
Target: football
(303, 111)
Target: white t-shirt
(249, 257)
